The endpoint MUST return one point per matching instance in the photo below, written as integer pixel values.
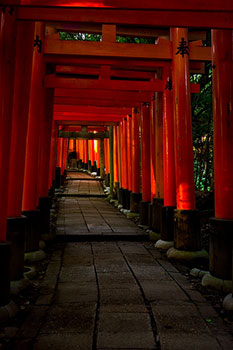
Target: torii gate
(208, 15)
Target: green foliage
(202, 120)
(80, 36)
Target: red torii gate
(222, 59)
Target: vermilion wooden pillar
(53, 148)
(167, 220)
(222, 224)
(111, 165)
(135, 196)
(129, 154)
(168, 145)
(59, 152)
(145, 162)
(152, 150)
(85, 153)
(64, 155)
(115, 157)
(98, 157)
(7, 64)
(22, 83)
(30, 194)
(45, 144)
(187, 226)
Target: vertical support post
(167, 225)
(102, 172)
(7, 65)
(30, 199)
(222, 224)
(145, 161)
(152, 150)
(187, 222)
(45, 143)
(22, 83)
(115, 159)
(52, 164)
(111, 159)
(129, 154)
(135, 196)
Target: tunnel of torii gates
(124, 107)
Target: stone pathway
(82, 184)
(117, 294)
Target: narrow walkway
(82, 184)
(116, 294)
(92, 217)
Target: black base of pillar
(135, 199)
(157, 214)
(45, 204)
(15, 235)
(221, 240)
(187, 230)
(98, 171)
(167, 226)
(143, 209)
(89, 165)
(5, 250)
(32, 231)
(58, 177)
(150, 216)
(95, 166)
(127, 195)
(107, 180)
(120, 195)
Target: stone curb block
(182, 255)
(217, 283)
(228, 302)
(164, 245)
(35, 256)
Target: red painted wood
(91, 109)
(185, 190)
(53, 148)
(145, 153)
(129, 153)
(22, 83)
(135, 149)
(152, 150)
(103, 94)
(131, 4)
(168, 146)
(222, 18)
(122, 156)
(64, 155)
(45, 131)
(223, 122)
(93, 151)
(60, 152)
(30, 199)
(7, 64)
(115, 154)
(52, 81)
(159, 145)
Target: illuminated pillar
(129, 153)
(135, 196)
(187, 222)
(111, 167)
(116, 160)
(222, 224)
(145, 162)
